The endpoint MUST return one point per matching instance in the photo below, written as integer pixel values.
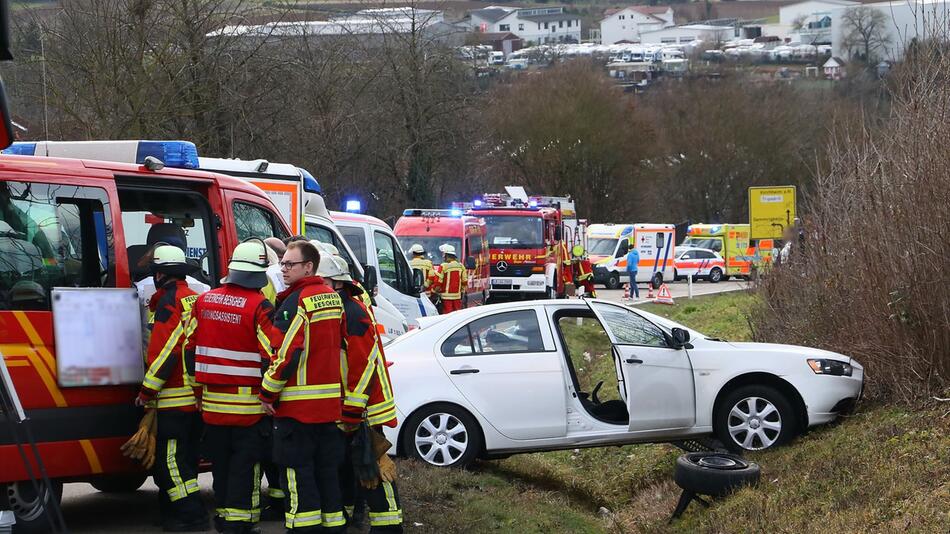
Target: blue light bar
(532, 203)
(310, 184)
(20, 148)
(477, 203)
(456, 213)
(178, 154)
(353, 206)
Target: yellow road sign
(771, 211)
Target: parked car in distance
(699, 263)
(545, 375)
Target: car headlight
(830, 367)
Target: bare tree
(865, 32)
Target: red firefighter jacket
(304, 378)
(165, 376)
(229, 345)
(584, 269)
(451, 279)
(365, 375)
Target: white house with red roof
(626, 24)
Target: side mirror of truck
(370, 279)
(418, 281)
(470, 263)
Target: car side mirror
(680, 338)
(469, 263)
(369, 279)
(418, 280)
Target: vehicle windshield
(431, 245)
(511, 231)
(712, 243)
(601, 247)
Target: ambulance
(731, 241)
(374, 244)
(436, 227)
(82, 226)
(654, 242)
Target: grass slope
(885, 469)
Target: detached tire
(119, 483)
(442, 435)
(714, 473)
(32, 515)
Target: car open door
(658, 378)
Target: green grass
(885, 469)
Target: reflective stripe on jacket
(452, 279)
(165, 377)
(367, 387)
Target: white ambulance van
(610, 242)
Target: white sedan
(520, 377)
(698, 263)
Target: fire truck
(528, 238)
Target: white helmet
(447, 249)
(334, 268)
(325, 247)
(249, 257)
(169, 259)
(417, 249)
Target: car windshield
(601, 247)
(712, 243)
(431, 245)
(510, 231)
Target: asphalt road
(86, 510)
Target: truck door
(658, 379)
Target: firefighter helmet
(248, 265)
(447, 249)
(170, 260)
(417, 249)
(325, 247)
(334, 268)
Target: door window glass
(622, 249)
(356, 237)
(393, 266)
(180, 218)
(660, 240)
(255, 221)
(628, 328)
(52, 235)
(510, 332)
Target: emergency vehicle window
(393, 266)
(255, 221)
(703, 254)
(628, 328)
(178, 218)
(324, 235)
(357, 241)
(622, 249)
(516, 232)
(509, 332)
(52, 236)
(660, 240)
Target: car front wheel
(442, 435)
(715, 275)
(753, 418)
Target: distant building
(506, 42)
(626, 24)
(907, 21)
(834, 68)
(534, 26)
(689, 33)
(813, 18)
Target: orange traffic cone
(626, 292)
(649, 290)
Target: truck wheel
(657, 280)
(32, 513)
(613, 281)
(119, 483)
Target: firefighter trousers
(449, 306)
(176, 467)
(275, 495)
(385, 512)
(310, 456)
(236, 453)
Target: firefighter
(583, 271)
(165, 385)
(565, 263)
(302, 390)
(451, 280)
(229, 345)
(368, 396)
(419, 261)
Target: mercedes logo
(502, 266)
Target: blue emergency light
(21, 148)
(353, 206)
(532, 203)
(456, 213)
(310, 184)
(179, 154)
(477, 203)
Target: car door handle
(633, 360)
(463, 371)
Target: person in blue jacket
(633, 259)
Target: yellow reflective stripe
(355, 400)
(390, 496)
(274, 386)
(333, 519)
(379, 519)
(304, 519)
(380, 418)
(310, 392)
(291, 512)
(270, 383)
(152, 383)
(236, 409)
(175, 392)
(229, 397)
(368, 372)
(264, 341)
(275, 493)
(176, 402)
(236, 514)
(384, 380)
(381, 406)
(170, 343)
(178, 489)
(325, 315)
(256, 494)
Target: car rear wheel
(613, 281)
(657, 280)
(754, 418)
(442, 435)
(32, 513)
(715, 275)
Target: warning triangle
(663, 296)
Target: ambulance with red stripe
(654, 242)
(731, 241)
(82, 223)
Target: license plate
(502, 281)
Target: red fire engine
(529, 239)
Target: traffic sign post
(771, 211)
